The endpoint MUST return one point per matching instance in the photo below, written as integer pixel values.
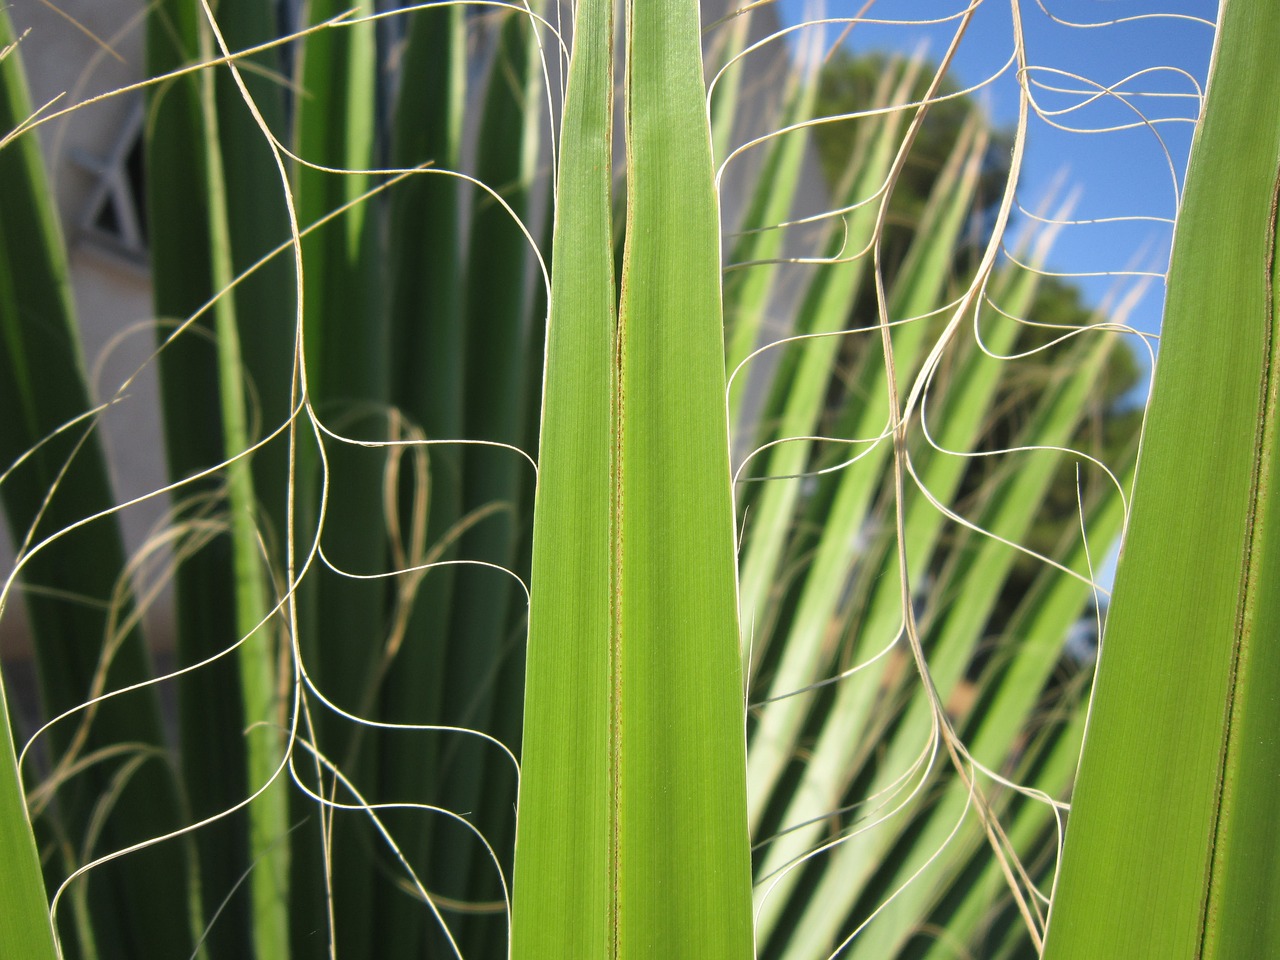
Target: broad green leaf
(632, 833)
(1168, 853)
(562, 897)
(25, 930)
(682, 865)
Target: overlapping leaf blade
(1176, 759)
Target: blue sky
(1121, 173)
